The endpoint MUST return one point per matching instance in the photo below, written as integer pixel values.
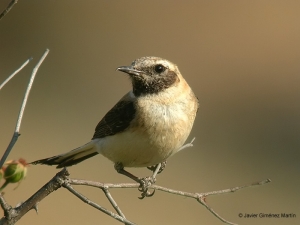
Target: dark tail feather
(70, 158)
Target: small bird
(148, 124)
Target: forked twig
(95, 205)
(12, 215)
(18, 125)
(61, 179)
(113, 202)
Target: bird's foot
(145, 183)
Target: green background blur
(242, 59)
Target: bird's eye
(159, 68)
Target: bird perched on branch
(147, 126)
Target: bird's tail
(70, 158)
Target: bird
(146, 126)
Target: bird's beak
(129, 70)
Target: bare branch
(231, 190)
(12, 215)
(200, 197)
(103, 185)
(8, 8)
(5, 206)
(18, 125)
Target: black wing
(116, 120)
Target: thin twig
(95, 205)
(8, 8)
(14, 73)
(234, 189)
(34, 71)
(202, 200)
(18, 125)
(102, 185)
(113, 202)
(156, 170)
(188, 145)
(196, 195)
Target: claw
(144, 184)
(147, 194)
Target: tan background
(242, 58)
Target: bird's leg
(120, 169)
(144, 182)
(153, 168)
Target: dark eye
(159, 68)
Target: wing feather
(117, 119)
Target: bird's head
(151, 75)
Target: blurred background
(240, 57)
